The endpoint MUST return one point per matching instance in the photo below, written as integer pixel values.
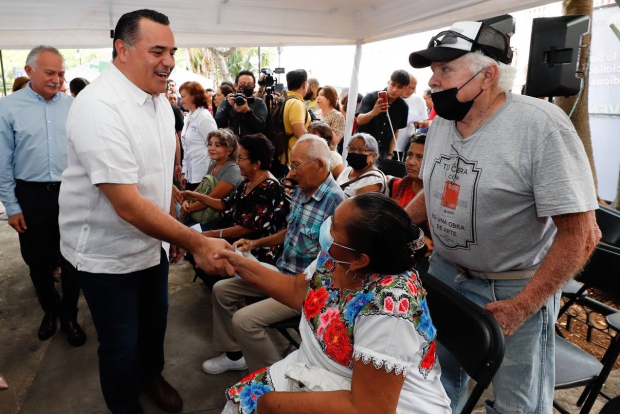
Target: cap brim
(424, 58)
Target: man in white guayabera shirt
(115, 211)
(510, 200)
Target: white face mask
(326, 240)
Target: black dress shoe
(48, 326)
(75, 334)
(164, 395)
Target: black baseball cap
(462, 38)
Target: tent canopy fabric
(88, 23)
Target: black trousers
(130, 313)
(40, 247)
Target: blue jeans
(525, 381)
(130, 314)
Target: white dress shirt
(196, 159)
(118, 134)
(417, 112)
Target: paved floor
(52, 377)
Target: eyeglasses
(295, 167)
(240, 158)
(358, 150)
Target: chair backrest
(471, 334)
(602, 270)
(608, 221)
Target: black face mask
(448, 106)
(357, 161)
(247, 90)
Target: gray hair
(317, 148)
(33, 57)
(369, 141)
(478, 60)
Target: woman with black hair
(362, 302)
(256, 209)
(404, 189)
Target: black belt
(47, 186)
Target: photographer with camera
(243, 113)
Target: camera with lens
(268, 80)
(244, 94)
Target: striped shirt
(301, 243)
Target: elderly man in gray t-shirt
(510, 200)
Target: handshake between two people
(218, 257)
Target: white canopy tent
(88, 23)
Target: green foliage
(246, 58)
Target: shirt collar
(321, 191)
(129, 88)
(38, 97)
(195, 113)
(296, 95)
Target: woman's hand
(244, 245)
(190, 195)
(240, 263)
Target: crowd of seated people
(284, 230)
(256, 208)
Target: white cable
(393, 137)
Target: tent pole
(2, 67)
(352, 102)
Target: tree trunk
(220, 58)
(580, 116)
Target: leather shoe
(75, 334)
(164, 395)
(48, 326)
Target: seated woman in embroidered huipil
(368, 343)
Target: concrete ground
(53, 377)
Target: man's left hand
(176, 253)
(508, 313)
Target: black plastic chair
(612, 407)
(471, 336)
(573, 366)
(608, 221)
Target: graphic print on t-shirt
(454, 184)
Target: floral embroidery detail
(315, 301)
(424, 326)
(428, 360)
(325, 319)
(331, 312)
(337, 343)
(247, 391)
(386, 281)
(250, 394)
(403, 305)
(412, 287)
(355, 306)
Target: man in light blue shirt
(33, 155)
